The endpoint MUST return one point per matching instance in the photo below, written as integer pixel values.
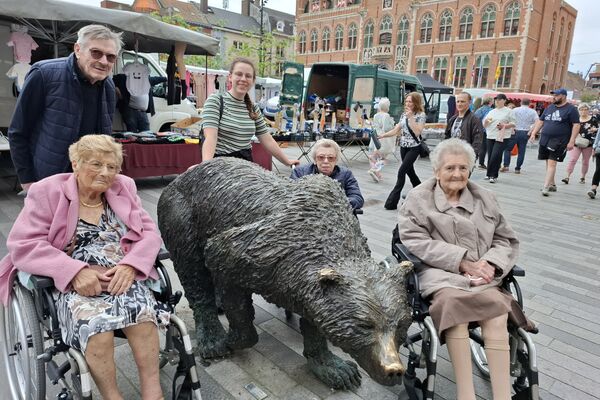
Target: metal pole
(260, 48)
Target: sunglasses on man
(98, 54)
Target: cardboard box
(182, 125)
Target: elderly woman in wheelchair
(88, 231)
(466, 248)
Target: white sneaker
(374, 175)
(492, 180)
(546, 191)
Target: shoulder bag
(581, 142)
(423, 149)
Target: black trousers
(596, 178)
(409, 156)
(483, 149)
(495, 151)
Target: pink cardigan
(47, 223)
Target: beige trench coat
(442, 235)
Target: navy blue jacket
(342, 175)
(48, 116)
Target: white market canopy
(58, 22)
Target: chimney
(246, 7)
(145, 6)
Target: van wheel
(165, 127)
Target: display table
(144, 160)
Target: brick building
(511, 45)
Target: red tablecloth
(143, 160)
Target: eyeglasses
(97, 166)
(98, 54)
(326, 158)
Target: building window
(422, 66)
(460, 71)
(403, 31)
(387, 4)
(504, 70)
(326, 36)
(352, 35)
(280, 51)
(440, 69)
(280, 26)
(237, 44)
(480, 71)
(511, 19)
(552, 29)
(426, 27)
(315, 5)
(488, 21)
(369, 35)
(314, 37)
(445, 26)
(279, 68)
(385, 30)
(339, 37)
(466, 24)
(302, 43)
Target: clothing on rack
(173, 80)
(22, 45)
(19, 71)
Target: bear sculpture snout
(394, 370)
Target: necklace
(83, 203)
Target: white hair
(453, 146)
(98, 32)
(326, 143)
(384, 104)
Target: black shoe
(592, 193)
(482, 166)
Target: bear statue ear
(329, 275)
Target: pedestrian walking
(583, 143)
(382, 122)
(560, 121)
(481, 113)
(464, 124)
(499, 124)
(525, 119)
(596, 177)
(410, 128)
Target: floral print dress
(80, 317)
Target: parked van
(354, 88)
(165, 114)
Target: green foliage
(589, 96)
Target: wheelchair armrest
(41, 282)
(517, 271)
(357, 211)
(163, 254)
(403, 254)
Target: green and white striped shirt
(236, 128)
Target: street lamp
(260, 45)
(362, 13)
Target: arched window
(511, 19)
(460, 71)
(314, 37)
(426, 27)
(302, 43)
(488, 21)
(369, 28)
(440, 69)
(482, 69)
(326, 35)
(339, 37)
(505, 70)
(352, 35)
(386, 4)
(385, 30)
(465, 29)
(315, 5)
(445, 26)
(422, 66)
(403, 31)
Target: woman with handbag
(410, 127)
(596, 177)
(583, 143)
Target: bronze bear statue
(230, 224)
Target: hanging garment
(173, 80)
(138, 85)
(199, 89)
(19, 71)
(22, 45)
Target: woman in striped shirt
(230, 134)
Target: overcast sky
(584, 52)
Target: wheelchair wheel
(478, 354)
(21, 340)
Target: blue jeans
(520, 138)
(135, 120)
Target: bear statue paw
(212, 342)
(237, 340)
(335, 373)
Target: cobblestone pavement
(560, 250)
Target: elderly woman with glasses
(466, 245)
(326, 152)
(87, 230)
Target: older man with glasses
(325, 154)
(62, 100)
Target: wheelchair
(33, 349)
(523, 364)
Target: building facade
(509, 45)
